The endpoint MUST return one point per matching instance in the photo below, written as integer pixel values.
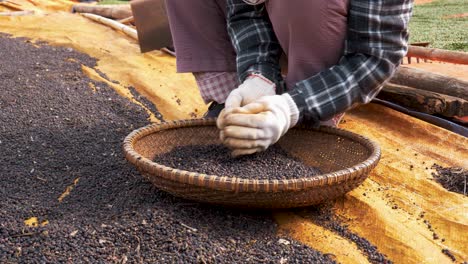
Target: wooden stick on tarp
(17, 13)
(11, 2)
(33, 2)
(127, 20)
(11, 5)
(108, 11)
(113, 24)
(438, 54)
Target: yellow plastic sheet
(40, 6)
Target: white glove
(256, 126)
(250, 90)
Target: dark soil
(323, 215)
(273, 164)
(55, 132)
(452, 179)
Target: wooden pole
(11, 2)
(127, 20)
(109, 11)
(428, 81)
(33, 2)
(17, 13)
(11, 5)
(424, 101)
(438, 54)
(113, 24)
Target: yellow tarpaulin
(391, 209)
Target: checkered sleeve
(376, 42)
(216, 86)
(258, 50)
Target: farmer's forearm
(254, 40)
(376, 43)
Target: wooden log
(424, 101)
(438, 54)
(428, 81)
(17, 13)
(113, 24)
(108, 11)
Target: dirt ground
(421, 2)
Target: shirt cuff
(270, 72)
(307, 116)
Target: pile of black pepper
(454, 179)
(272, 164)
(58, 135)
(323, 215)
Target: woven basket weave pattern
(344, 157)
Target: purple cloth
(311, 33)
(200, 37)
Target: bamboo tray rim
(236, 184)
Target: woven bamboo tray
(344, 158)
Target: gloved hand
(256, 126)
(254, 87)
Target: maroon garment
(311, 33)
(200, 37)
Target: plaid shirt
(377, 40)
